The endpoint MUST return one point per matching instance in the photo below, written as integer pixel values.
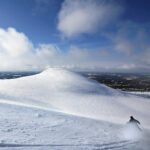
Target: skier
(134, 122)
(132, 129)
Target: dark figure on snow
(133, 120)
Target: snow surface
(59, 109)
(143, 94)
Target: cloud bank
(17, 52)
(129, 38)
(86, 16)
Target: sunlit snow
(52, 101)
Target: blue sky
(98, 35)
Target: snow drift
(69, 92)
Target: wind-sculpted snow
(69, 92)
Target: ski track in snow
(41, 129)
(58, 109)
(105, 146)
(56, 131)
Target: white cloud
(8, 40)
(144, 58)
(86, 16)
(17, 52)
(89, 54)
(47, 50)
(123, 45)
(129, 38)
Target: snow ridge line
(24, 105)
(105, 146)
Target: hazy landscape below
(123, 81)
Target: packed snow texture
(68, 92)
(21, 128)
(42, 112)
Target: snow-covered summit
(69, 92)
(71, 81)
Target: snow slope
(23, 128)
(31, 114)
(68, 92)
